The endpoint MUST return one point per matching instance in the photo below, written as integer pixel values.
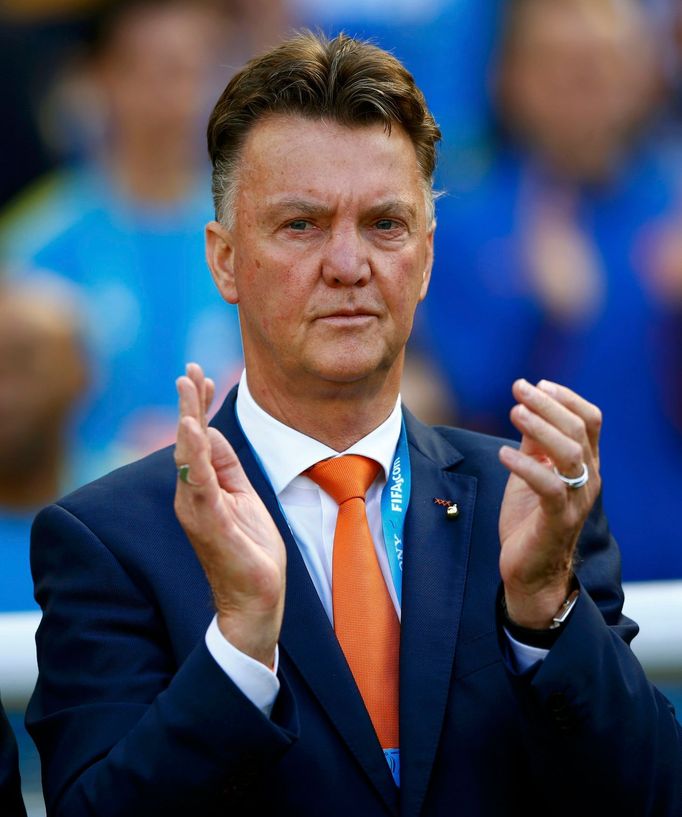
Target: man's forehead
(288, 133)
(293, 157)
(304, 123)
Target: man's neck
(337, 415)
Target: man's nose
(345, 259)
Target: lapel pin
(451, 508)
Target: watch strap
(546, 638)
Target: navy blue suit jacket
(132, 716)
(11, 803)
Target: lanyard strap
(395, 499)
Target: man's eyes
(299, 225)
(385, 224)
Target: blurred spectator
(34, 37)
(423, 392)
(126, 225)
(43, 375)
(667, 20)
(552, 266)
(38, 41)
(446, 44)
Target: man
(11, 804)
(149, 703)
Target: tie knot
(346, 477)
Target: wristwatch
(544, 639)
(564, 611)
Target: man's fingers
(557, 426)
(192, 449)
(539, 402)
(189, 401)
(204, 388)
(209, 394)
(207, 454)
(541, 479)
(575, 418)
(565, 452)
(228, 468)
(589, 413)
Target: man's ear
(428, 263)
(220, 259)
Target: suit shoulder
(473, 442)
(132, 478)
(475, 449)
(133, 489)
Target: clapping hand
(231, 531)
(541, 515)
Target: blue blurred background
(558, 250)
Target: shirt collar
(285, 453)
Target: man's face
(155, 72)
(329, 254)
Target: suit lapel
(307, 637)
(310, 643)
(434, 574)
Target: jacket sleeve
(596, 729)
(121, 727)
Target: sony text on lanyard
(395, 499)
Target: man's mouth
(348, 318)
(349, 314)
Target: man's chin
(352, 370)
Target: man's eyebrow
(301, 207)
(389, 207)
(306, 207)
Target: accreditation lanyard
(395, 498)
(394, 501)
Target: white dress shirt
(284, 454)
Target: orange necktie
(365, 620)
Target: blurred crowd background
(558, 252)
(558, 249)
(559, 241)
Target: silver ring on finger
(574, 482)
(183, 475)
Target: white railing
(18, 667)
(656, 606)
